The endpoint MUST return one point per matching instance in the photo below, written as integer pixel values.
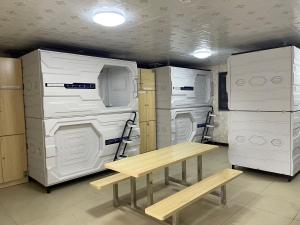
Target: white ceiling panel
(155, 30)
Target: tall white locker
(264, 99)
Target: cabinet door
(147, 79)
(11, 112)
(150, 105)
(13, 156)
(143, 135)
(10, 73)
(143, 106)
(151, 135)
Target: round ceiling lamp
(109, 19)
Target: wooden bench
(111, 180)
(171, 205)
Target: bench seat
(113, 179)
(171, 205)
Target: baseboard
(15, 182)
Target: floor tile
(56, 219)
(5, 219)
(276, 205)
(208, 212)
(295, 222)
(289, 191)
(247, 216)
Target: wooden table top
(143, 164)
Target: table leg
(223, 195)
(183, 167)
(199, 167)
(167, 178)
(175, 219)
(150, 189)
(116, 195)
(133, 192)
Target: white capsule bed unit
(266, 80)
(182, 88)
(264, 103)
(180, 125)
(68, 148)
(76, 108)
(268, 141)
(64, 85)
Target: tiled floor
(253, 199)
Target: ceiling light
(109, 19)
(202, 53)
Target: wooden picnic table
(145, 164)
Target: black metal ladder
(124, 140)
(208, 125)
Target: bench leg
(183, 167)
(116, 201)
(133, 192)
(175, 219)
(167, 176)
(150, 189)
(199, 168)
(223, 195)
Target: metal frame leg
(183, 167)
(175, 219)
(133, 192)
(116, 201)
(199, 167)
(167, 176)
(223, 195)
(150, 189)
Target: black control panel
(73, 85)
(200, 125)
(187, 88)
(80, 86)
(114, 141)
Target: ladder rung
(210, 126)
(207, 137)
(212, 115)
(127, 141)
(132, 125)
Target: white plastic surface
(266, 141)
(67, 148)
(48, 76)
(182, 88)
(265, 80)
(180, 125)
